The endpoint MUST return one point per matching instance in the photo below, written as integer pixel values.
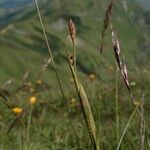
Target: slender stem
(125, 129)
(29, 124)
(20, 138)
(117, 110)
(56, 72)
(142, 125)
(75, 56)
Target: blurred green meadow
(43, 123)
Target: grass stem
(29, 124)
(125, 129)
(56, 72)
(117, 107)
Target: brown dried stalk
(105, 24)
(72, 31)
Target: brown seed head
(72, 31)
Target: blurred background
(22, 41)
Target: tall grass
(55, 70)
(86, 107)
(117, 105)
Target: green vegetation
(45, 125)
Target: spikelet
(122, 67)
(105, 24)
(116, 49)
(125, 76)
(72, 31)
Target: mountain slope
(23, 46)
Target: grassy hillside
(25, 34)
(23, 48)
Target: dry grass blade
(72, 31)
(105, 24)
(87, 112)
(125, 129)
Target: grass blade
(85, 105)
(125, 129)
(56, 72)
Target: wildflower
(92, 76)
(32, 100)
(17, 110)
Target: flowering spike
(72, 30)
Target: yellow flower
(92, 76)
(17, 110)
(39, 82)
(32, 100)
